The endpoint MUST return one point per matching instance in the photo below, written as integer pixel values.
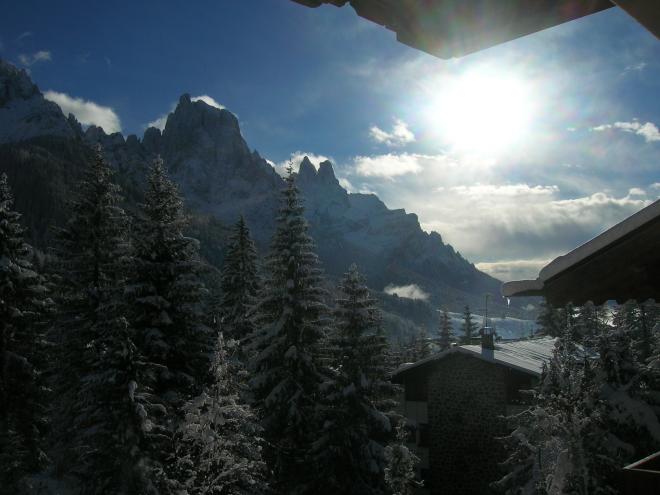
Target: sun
(483, 112)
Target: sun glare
(482, 112)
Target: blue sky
(515, 154)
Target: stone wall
(466, 397)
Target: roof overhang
(453, 28)
(620, 264)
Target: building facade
(456, 402)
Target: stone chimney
(487, 338)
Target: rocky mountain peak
(15, 83)
(195, 124)
(321, 179)
(25, 113)
(152, 139)
(306, 171)
(326, 173)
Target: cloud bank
(87, 112)
(510, 229)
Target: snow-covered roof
(527, 356)
(618, 264)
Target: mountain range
(43, 152)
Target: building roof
(453, 28)
(527, 356)
(620, 264)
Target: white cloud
(159, 122)
(638, 67)
(513, 270)
(346, 184)
(399, 135)
(491, 190)
(412, 291)
(389, 165)
(208, 100)
(649, 131)
(87, 112)
(22, 36)
(40, 56)
(503, 225)
(545, 213)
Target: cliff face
(221, 178)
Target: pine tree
(446, 333)
(358, 397)
(627, 403)
(418, 347)
(552, 444)
(549, 320)
(588, 325)
(167, 298)
(24, 303)
(401, 462)
(104, 418)
(468, 328)
(218, 446)
(590, 416)
(638, 319)
(240, 283)
(290, 324)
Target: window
(416, 389)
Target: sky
(515, 154)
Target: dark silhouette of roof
(453, 28)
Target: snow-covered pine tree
(638, 319)
(240, 283)
(418, 347)
(588, 325)
(24, 304)
(446, 331)
(103, 415)
(289, 326)
(551, 445)
(627, 405)
(401, 462)
(166, 297)
(218, 445)
(590, 416)
(422, 344)
(358, 397)
(549, 320)
(468, 327)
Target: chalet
(455, 402)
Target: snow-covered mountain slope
(25, 113)
(222, 178)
